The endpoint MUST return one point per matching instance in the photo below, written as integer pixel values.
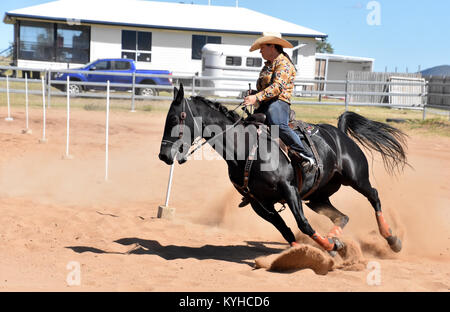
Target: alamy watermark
(73, 21)
(73, 278)
(374, 16)
(374, 276)
(229, 143)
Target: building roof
(162, 15)
(344, 58)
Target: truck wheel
(75, 89)
(147, 91)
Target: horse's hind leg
(363, 186)
(269, 214)
(324, 207)
(295, 204)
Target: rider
(275, 87)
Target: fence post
(133, 93)
(44, 117)
(346, 94)
(107, 132)
(27, 129)
(48, 88)
(425, 102)
(193, 85)
(67, 155)
(9, 118)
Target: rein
(244, 189)
(183, 113)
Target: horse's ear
(179, 96)
(175, 92)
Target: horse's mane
(231, 115)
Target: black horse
(344, 163)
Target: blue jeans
(278, 114)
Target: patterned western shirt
(282, 86)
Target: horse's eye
(174, 119)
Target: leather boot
(307, 162)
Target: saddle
(305, 132)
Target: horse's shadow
(244, 254)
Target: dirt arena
(55, 212)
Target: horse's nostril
(165, 159)
(162, 157)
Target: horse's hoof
(338, 245)
(332, 253)
(395, 243)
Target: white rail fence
(396, 92)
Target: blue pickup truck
(125, 66)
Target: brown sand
(297, 258)
(55, 211)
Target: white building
(157, 35)
(336, 67)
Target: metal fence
(399, 92)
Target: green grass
(321, 113)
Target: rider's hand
(250, 100)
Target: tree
(324, 47)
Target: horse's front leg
(292, 198)
(267, 212)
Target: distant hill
(443, 70)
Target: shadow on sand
(244, 254)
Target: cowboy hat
(270, 38)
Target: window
(199, 41)
(254, 62)
(72, 44)
(36, 41)
(234, 61)
(295, 53)
(137, 45)
(103, 65)
(121, 65)
(54, 42)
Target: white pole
(165, 211)
(107, 132)
(27, 130)
(43, 140)
(68, 119)
(7, 98)
(26, 101)
(169, 185)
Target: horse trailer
(229, 62)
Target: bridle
(182, 124)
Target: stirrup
(310, 160)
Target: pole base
(9, 119)
(67, 157)
(27, 131)
(165, 212)
(43, 141)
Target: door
(101, 66)
(124, 67)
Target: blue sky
(399, 33)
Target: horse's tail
(388, 141)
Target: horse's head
(178, 131)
